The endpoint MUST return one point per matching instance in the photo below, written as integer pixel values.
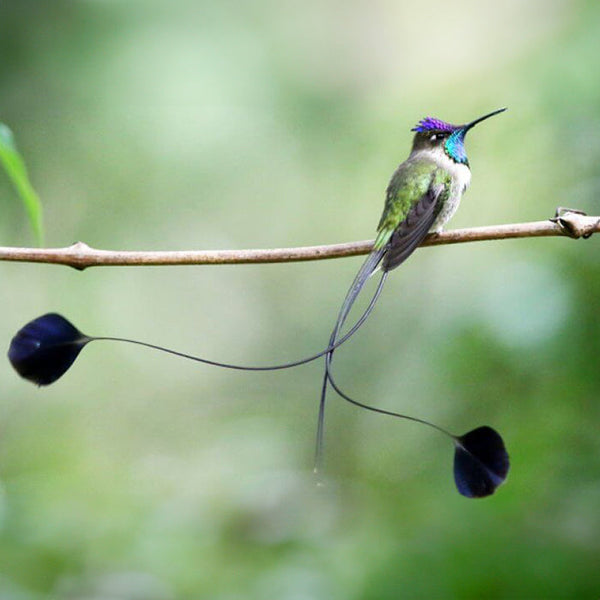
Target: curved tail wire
(367, 269)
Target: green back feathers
(408, 185)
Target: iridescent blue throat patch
(455, 146)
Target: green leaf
(15, 168)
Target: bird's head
(434, 134)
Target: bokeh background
(208, 125)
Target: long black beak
(473, 123)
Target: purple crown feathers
(431, 124)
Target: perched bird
(423, 194)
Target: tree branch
(81, 256)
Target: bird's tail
(367, 269)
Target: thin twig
(81, 256)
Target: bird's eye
(433, 138)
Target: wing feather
(411, 232)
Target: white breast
(461, 177)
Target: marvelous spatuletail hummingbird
(422, 196)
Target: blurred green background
(180, 125)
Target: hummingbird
(422, 196)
